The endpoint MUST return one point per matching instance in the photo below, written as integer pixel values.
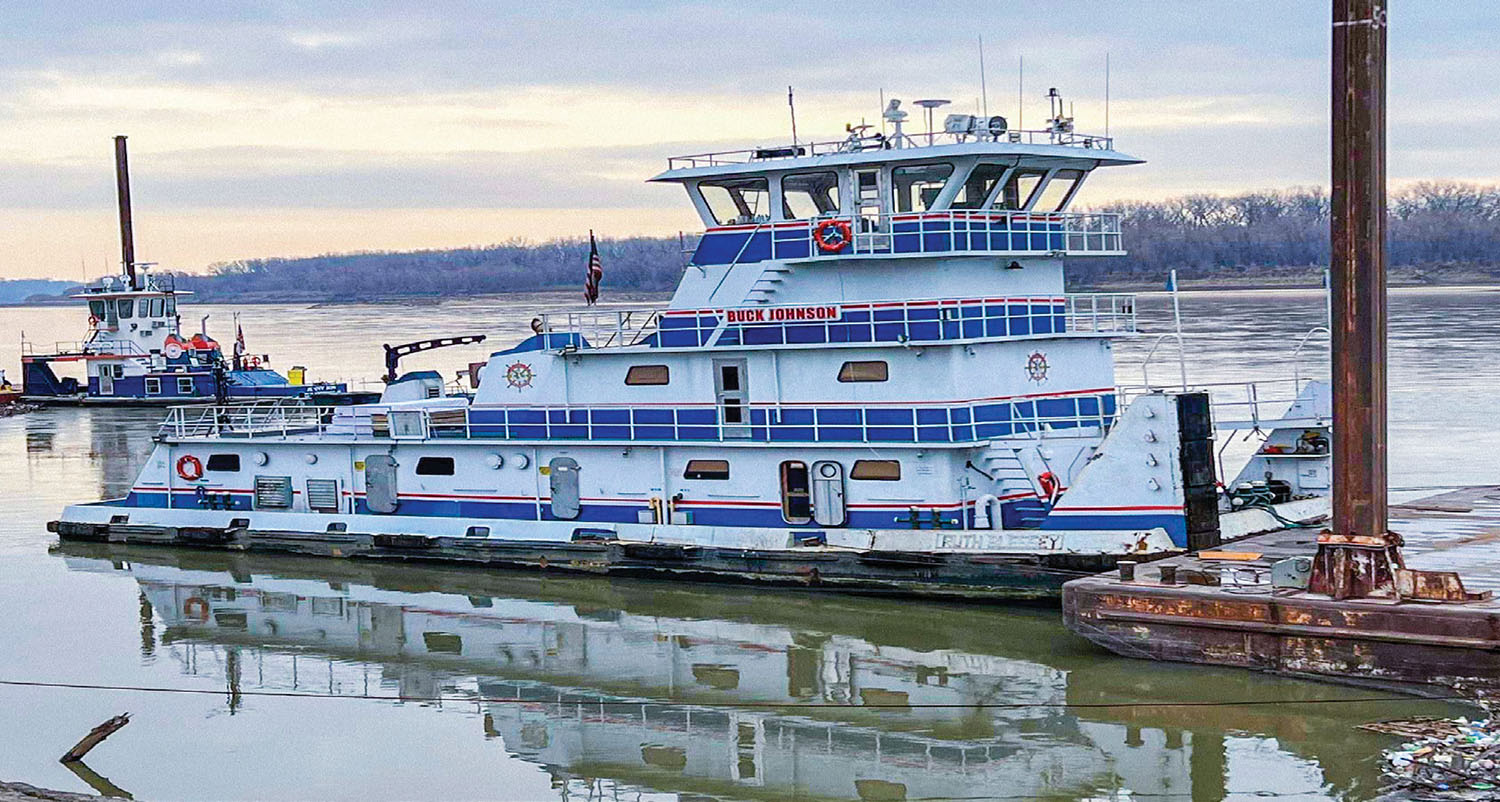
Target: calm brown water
(511, 686)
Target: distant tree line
(638, 263)
(1439, 232)
(1436, 227)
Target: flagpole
(1177, 317)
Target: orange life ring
(195, 607)
(93, 321)
(189, 468)
(1048, 481)
(845, 235)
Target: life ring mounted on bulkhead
(833, 236)
(195, 607)
(189, 467)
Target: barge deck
(1219, 607)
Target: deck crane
(393, 353)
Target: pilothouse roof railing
(881, 142)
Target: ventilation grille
(273, 492)
(323, 495)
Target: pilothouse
(869, 377)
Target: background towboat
(135, 352)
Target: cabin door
(563, 475)
(732, 391)
(106, 380)
(796, 492)
(828, 507)
(380, 483)
(870, 230)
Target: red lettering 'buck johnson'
(869, 377)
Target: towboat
(135, 352)
(870, 378)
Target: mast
(127, 234)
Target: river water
(265, 678)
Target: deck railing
(968, 421)
(932, 320)
(1247, 405)
(76, 347)
(859, 144)
(953, 232)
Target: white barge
(870, 378)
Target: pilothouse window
(916, 188)
(808, 195)
(1054, 195)
(737, 201)
(978, 186)
(1018, 189)
(125, 308)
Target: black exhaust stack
(127, 234)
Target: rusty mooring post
(1359, 556)
(122, 192)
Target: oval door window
(563, 475)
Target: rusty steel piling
(1359, 556)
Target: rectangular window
(145, 308)
(96, 309)
(648, 374)
(157, 307)
(796, 493)
(707, 469)
(808, 195)
(737, 201)
(874, 371)
(1055, 194)
(435, 466)
(916, 188)
(171, 306)
(1018, 189)
(125, 308)
(224, 462)
(876, 470)
(184, 386)
(978, 186)
(153, 385)
(118, 371)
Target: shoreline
(1186, 286)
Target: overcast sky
(290, 128)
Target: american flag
(595, 272)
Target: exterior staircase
(770, 280)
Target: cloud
(392, 109)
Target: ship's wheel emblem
(1036, 367)
(519, 375)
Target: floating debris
(1444, 758)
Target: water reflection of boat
(751, 695)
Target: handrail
(858, 144)
(1146, 360)
(968, 421)
(938, 320)
(1297, 353)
